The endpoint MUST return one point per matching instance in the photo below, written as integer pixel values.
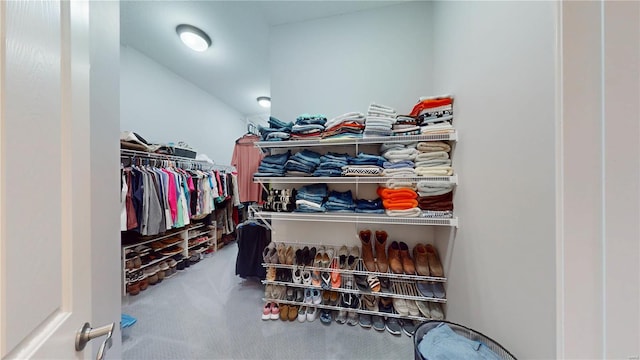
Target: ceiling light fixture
(193, 37)
(264, 101)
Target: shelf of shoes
(356, 218)
(351, 179)
(338, 308)
(453, 136)
(358, 270)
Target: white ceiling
(236, 68)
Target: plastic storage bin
(460, 330)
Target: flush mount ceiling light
(264, 101)
(193, 37)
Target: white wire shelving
(365, 140)
(356, 218)
(453, 180)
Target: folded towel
(350, 116)
(399, 184)
(401, 172)
(399, 204)
(442, 202)
(398, 164)
(437, 214)
(433, 162)
(396, 194)
(400, 154)
(425, 156)
(444, 128)
(403, 129)
(433, 146)
(427, 188)
(431, 103)
(414, 212)
(434, 171)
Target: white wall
(342, 63)
(498, 60)
(163, 107)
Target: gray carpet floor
(207, 312)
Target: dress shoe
(420, 257)
(367, 251)
(435, 266)
(407, 263)
(381, 254)
(394, 258)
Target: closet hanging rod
(205, 165)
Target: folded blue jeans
(327, 172)
(368, 211)
(279, 159)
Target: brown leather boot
(367, 251)
(420, 257)
(394, 258)
(407, 264)
(381, 252)
(435, 266)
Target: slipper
(362, 284)
(326, 280)
(298, 257)
(325, 297)
(326, 316)
(333, 298)
(426, 289)
(423, 307)
(354, 255)
(342, 317)
(327, 257)
(304, 256)
(400, 305)
(336, 279)
(374, 283)
(370, 303)
(281, 249)
(311, 257)
(438, 290)
(343, 253)
(413, 308)
(289, 255)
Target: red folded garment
(430, 104)
(397, 194)
(399, 204)
(442, 202)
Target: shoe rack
(401, 286)
(159, 257)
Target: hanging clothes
(246, 158)
(252, 239)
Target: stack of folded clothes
(400, 202)
(403, 168)
(435, 200)
(340, 201)
(331, 164)
(273, 165)
(369, 206)
(434, 114)
(399, 159)
(308, 127)
(406, 125)
(346, 126)
(277, 131)
(311, 198)
(433, 159)
(380, 120)
(364, 165)
(303, 163)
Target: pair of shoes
(336, 278)
(399, 259)
(270, 254)
(271, 311)
(305, 256)
(427, 261)
(431, 289)
(350, 301)
(288, 312)
(367, 251)
(423, 307)
(435, 309)
(326, 316)
(312, 296)
(352, 318)
(271, 273)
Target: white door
(59, 231)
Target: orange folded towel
(399, 204)
(397, 194)
(430, 104)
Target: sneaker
(297, 275)
(365, 321)
(352, 318)
(308, 296)
(302, 313)
(306, 277)
(312, 313)
(299, 295)
(316, 296)
(326, 316)
(377, 322)
(275, 311)
(290, 294)
(342, 317)
(266, 311)
(408, 327)
(392, 326)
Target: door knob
(86, 334)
